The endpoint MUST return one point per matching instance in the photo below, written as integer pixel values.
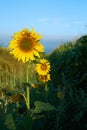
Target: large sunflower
(44, 78)
(43, 67)
(25, 45)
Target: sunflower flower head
(44, 78)
(26, 45)
(60, 94)
(34, 85)
(43, 67)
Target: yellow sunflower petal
(36, 54)
(39, 47)
(24, 45)
(43, 67)
(44, 78)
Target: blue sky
(51, 18)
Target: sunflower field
(43, 91)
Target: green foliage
(42, 106)
(67, 111)
(70, 77)
(9, 122)
(70, 61)
(25, 124)
(11, 71)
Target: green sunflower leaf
(9, 122)
(9, 93)
(42, 106)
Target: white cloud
(43, 20)
(54, 21)
(78, 22)
(49, 20)
(65, 25)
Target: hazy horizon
(50, 42)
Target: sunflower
(60, 94)
(43, 67)
(26, 45)
(44, 78)
(34, 86)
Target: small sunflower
(25, 45)
(44, 78)
(43, 67)
(34, 86)
(60, 94)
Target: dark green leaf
(9, 122)
(42, 106)
(14, 92)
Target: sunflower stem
(46, 92)
(27, 88)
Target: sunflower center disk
(43, 67)
(44, 77)
(26, 45)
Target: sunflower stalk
(46, 92)
(27, 88)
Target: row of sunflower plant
(26, 47)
